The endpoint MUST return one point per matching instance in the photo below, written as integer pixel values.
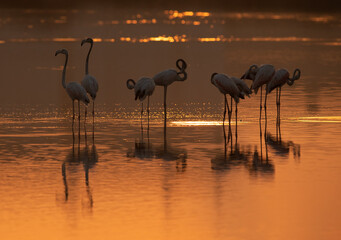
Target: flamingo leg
(225, 143)
(141, 114)
(260, 108)
(230, 111)
(73, 112)
(148, 111)
(236, 120)
(225, 103)
(79, 111)
(93, 110)
(266, 97)
(279, 100)
(164, 104)
(86, 112)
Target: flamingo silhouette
(226, 85)
(167, 77)
(279, 79)
(244, 90)
(73, 89)
(143, 88)
(89, 82)
(260, 76)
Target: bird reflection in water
(144, 149)
(236, 156)
(282, 148)
(87, 156)
(260, 162)
(168, 152)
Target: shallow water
(116, 180)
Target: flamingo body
(77, 92)
(144, 87)
(169, 76)
(226, 86)
(166, 77)
(90, 84)
(263, 76)
(242, 86)
(280, 77)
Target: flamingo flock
(237, 88)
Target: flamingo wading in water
(89, 82)
(143, 88)
(167, 77)
(73, 89)
(280, 78)
(260, 76)
(227, 85)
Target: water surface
(194, 179)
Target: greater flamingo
(281, 77)
(143, 88)
(244, 90)
(260, 76)
(89, 82)
(227, 86)
(73, 89)
(169, 76)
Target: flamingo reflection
(260, 163)
(238, 156)
(168, 152)
(280, 147)
(144, 149)
(87, 156)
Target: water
(116, 180)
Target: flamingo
(73, 89)
(227, 85)
(90, 83)
(260, 76)
(167, 77)
(281, 77)
(244, 90)
(143, 88)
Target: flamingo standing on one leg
(279, 79)
(260, 76)
(73, 89)
(143, 88)
(167, 77)
(89, 82)
(226, 86)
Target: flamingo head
(250, 73)
(130, 84)
(62, 51)
(296, 76)
(212, 76)
(88, 40)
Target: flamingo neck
(87, 60)
(64, 71)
